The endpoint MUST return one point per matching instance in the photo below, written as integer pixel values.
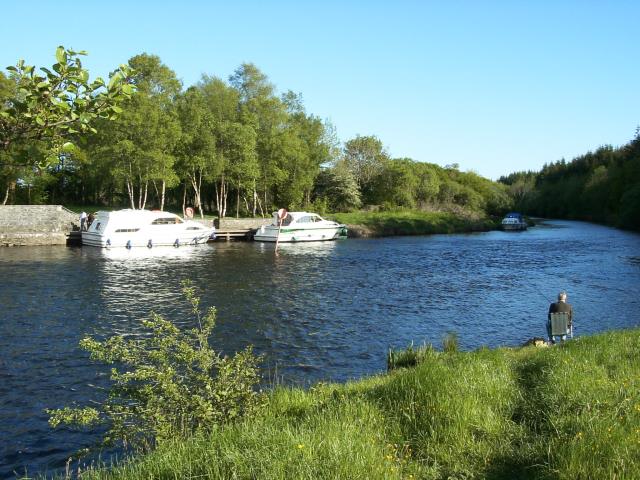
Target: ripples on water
(320, 311)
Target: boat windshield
(287, 220)
(166, 221)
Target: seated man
(561, 306)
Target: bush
(169, 384)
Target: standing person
(83, 222)
(561, 306)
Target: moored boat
(143, 228)
(300, 227)
(514, 221)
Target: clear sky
(495, 86)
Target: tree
(337, 188)
(267, 115)
(140, 143)
(223, 105)
(365, 157)
(428, 183)
(197, 156)
(242, 162)
(397, 184)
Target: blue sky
(495, 86)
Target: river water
(321, 311)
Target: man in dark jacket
(561, 306)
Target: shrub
(169, 384)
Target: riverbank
(413, 222)
(570, 411)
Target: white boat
(144, 228)
(514, 221)
(300, 227)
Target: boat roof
(137, 214)
(513, 215)
(298, 214)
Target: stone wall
(36, 224)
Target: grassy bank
(412, 222)
(566, 412)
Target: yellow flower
(301, 445)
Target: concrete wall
(36, 224)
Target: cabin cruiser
(300, 227)
(143, 228)
(514, 221)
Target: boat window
(98, 226)
(122, 230)
(194, 228)
(166, 221)
(305, 220)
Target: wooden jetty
(238, 228)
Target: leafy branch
(168, 384)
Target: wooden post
(282, 213)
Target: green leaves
(61, 55)
(169, 383)
(51, 108)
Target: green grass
(565, 412)
(415, 222)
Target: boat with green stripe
(300, 227)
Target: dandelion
(300, 446)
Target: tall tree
(365, 156)
(336, 187)
(222, 103)
(267, 115)
(197, 156)
(141, 143)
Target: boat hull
(270, 234)
(514, 226)
(141, 240)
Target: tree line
(226, 147)
(601, 186)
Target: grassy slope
(569, 412)
(414, 222)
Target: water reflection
(301, 248)
(145, 255)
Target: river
(322, 311)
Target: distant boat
(514, 221)
(143, 228)
(300, 227)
